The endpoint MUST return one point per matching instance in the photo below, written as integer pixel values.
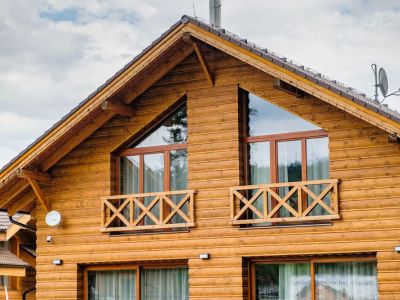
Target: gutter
(12, 221)
(26, 292)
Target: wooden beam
(13, 229)
(21, 203)
(75, 140)
(117, 108)
(37, 175)
(159, 72)
(288, 88)
(14, 192)
(39, 194)
(13, 271)
(393, 138)
(187, 38)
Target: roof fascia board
(110, 88)
(245, 54)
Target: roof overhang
(13, 271)
(146, 69)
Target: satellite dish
(383, 82)
(53, 218)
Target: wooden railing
(285, 202)
(149, 211)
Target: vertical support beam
(39, 194)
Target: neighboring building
(210, 168)
(17, 258)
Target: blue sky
(55, 53)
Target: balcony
(285, 203)
(148, 211)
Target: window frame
(132, 267)
(273, 140)
(312, 261)
(141, 151)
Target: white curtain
(164, 284)
(112, 285)
(346, 280)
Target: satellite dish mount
(381, 82)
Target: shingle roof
(4, 220)
(318, 78)
(9, 259)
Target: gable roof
(169, 43)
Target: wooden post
(39, 194)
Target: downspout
(12, 221)
(27, 292)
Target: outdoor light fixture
(57, 262)
(397, 248)
(49, 238)
(205, 256)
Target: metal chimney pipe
(215, 13)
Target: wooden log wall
(360, 155)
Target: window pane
(110, 285)
(266, 118)
(289, 161)
(164, 284)
(153, 181)
(318, 168)
(283, 282)
(346, 280)
(129, 175)
(172, 131)
(178, 177)
(317, 158)
(259, 163)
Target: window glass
(265, 118)
(317, 158)
(130, 174)
(178, 169)
(346, 280)
(119, 284)
(173, 130)
(164, 284)
(289, 161)
(259, 163)
(283, 281)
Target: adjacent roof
(4, 220)
(9, 259)
(307, 73)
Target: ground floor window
(315, 280)
(136, 282)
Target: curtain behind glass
(283, 281)
(112, 285)
(153, 181)
(164, 284)
(178, 179)
(346, 280)
(289, 170)
(317, 169)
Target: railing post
(300, 200)
(232, 200)
(191, 206)
(336, 197)
(265, 203)
(131, 211)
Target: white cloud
(54, 53)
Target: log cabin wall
(360, 156)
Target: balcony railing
(149, 211)
(290, 202)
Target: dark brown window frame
(311, 260)
(133, 267)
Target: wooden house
(211, 168)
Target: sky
(53, 53)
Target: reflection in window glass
(130, 174)
(119, 284)
(259, 163)
(265, 118)
(283, 281)
(153, 181)
(164, 284)
(173, 130)
(178, 179)
(346, 280)
(289, 161)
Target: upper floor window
(282, 147)
(157, 162)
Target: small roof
(4, 220)
(9, 259)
